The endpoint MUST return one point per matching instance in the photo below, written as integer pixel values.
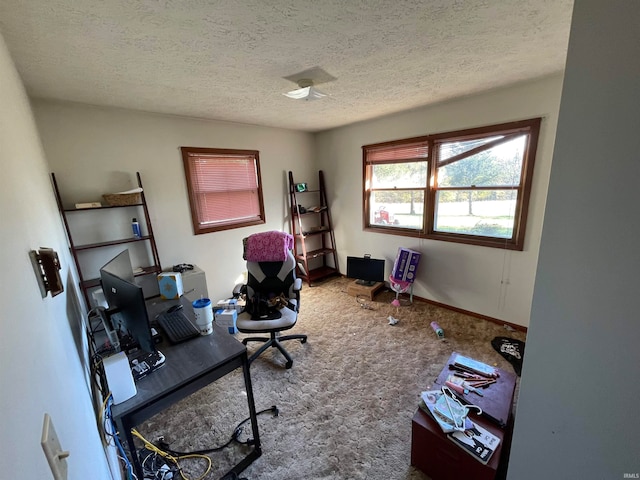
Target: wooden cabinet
(94, 239)
(314, 240)
(441, 459)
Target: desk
(189, 366)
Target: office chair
(271, 279)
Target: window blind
(225, 188)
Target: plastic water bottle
(135, 226)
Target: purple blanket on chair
(270, 246)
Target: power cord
(169, 464)
(362, 301)
(235, 437)
(160, 462)
(110, 432)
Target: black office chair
(273, 302)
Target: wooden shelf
(316, 253)
(95, 282)
(87, 284)
(103, 207)
(319, 273)
(314, 241)
(111, 242)
(314, 232)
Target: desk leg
(124, 429)
(252, 406)
(257, 449)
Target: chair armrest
(297, 284)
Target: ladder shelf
(314, 240)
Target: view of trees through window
(472, 186)
(476, 192)
(400, 200)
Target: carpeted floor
(345, 405)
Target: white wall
(489, 281)
(98, 150)
(40, 363)
(577, 412)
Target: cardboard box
(170, 285)
(406, 265)
(227, 319)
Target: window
(224, 187)
(470, 186)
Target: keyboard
(177, 326)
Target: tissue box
(170, 285)
(406, 265)
(230, 304)
(227, 319)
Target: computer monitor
(120, 266)
(366, 270)
(127, 309)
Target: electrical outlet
(53, 451)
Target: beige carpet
(346, 404)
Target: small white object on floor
(392, 320)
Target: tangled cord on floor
(233, 476)
(363, 302)
(162, 462)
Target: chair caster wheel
(303, 340)
(288, 365)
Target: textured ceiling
(232, 59)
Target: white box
(194, 284)
(231, 303)
(119, 377)
(227, 319)
(170, 285)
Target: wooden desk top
(497, 401)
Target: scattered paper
(392, 320)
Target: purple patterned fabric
(270, 246)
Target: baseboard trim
(515, 326)
(497, 321)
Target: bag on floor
(511, 349)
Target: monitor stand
(357, 290)
(143, 363)
(366, 283)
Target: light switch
(53, 451)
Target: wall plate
(53, 451)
